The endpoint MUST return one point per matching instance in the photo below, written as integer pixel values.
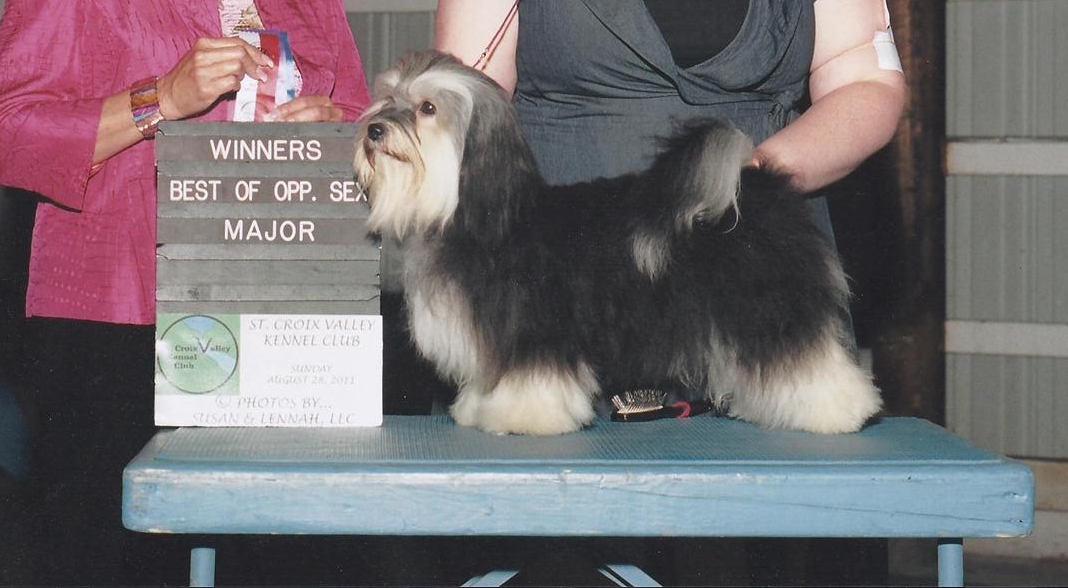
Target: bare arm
(211, 68)
(857, 97)
(465, 28)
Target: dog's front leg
(541, 400)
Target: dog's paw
(534, 401)
(829, 393)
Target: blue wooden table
(703, 476)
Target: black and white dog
(696, 274)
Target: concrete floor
(992, 571)
(913, 563)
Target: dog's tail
(696, 178)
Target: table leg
(627, 575)
(202, 567)
(494, 578)
(950, 562)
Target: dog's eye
(428, 109)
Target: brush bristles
(635, 401)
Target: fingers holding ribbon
(212, 67)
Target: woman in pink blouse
(66, 70)
(83, 84)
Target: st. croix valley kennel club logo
(198, 354)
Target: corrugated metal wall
(383, 38)
(1006, 78)
(1007, 225)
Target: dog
(699, 274)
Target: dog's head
(438, 136)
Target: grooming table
(702, 476)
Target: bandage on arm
(857, 90)
(854, 41)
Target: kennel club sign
(267, 289)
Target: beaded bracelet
(144, 105)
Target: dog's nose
(376, 131)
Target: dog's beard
(411, 180)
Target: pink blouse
(93, 250)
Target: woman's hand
(307, 109)
(211, 68)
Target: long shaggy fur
(695, 275)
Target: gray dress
(597, 84)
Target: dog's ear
(498, 174)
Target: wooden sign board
(267, 287)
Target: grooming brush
(648, 405)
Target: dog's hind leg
(824, 391)
(537, 400)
